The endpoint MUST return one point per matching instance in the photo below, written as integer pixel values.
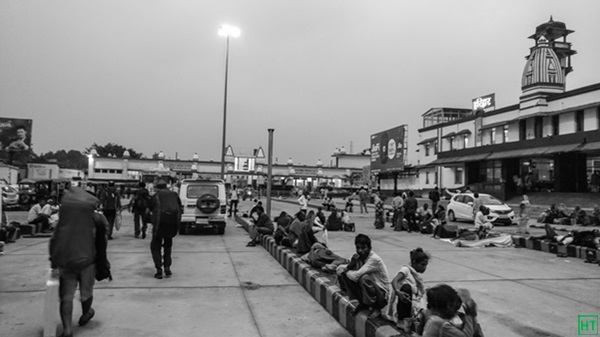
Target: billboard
(387, 150)
(485, 103)
(15, 140)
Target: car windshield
(489, 200)
(196, 191)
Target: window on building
(426, 177)
(491, 171)
(435, 177)
(458, 176)
(523, 129)
(555, 125)
(579, 121)
(427, 150)
(435, 146)
(505, 134)
(493, 136)
(451, 141)
(466, 141)
(538, 127)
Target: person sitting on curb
(283, 222)
(39, 218)
(408, 291)
(365, 278)
(579, 217)
(444, 318)
(262, 225)
(595, 216)
(549, 215)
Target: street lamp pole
(226, 31)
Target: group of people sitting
(561, 216)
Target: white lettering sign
(482, 103)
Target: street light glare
(227, 30)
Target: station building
(241, 169)
(550, 139)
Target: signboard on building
(485, 103)
(15, 140)
(387, 150)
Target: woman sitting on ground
(482, 222)
(444, 318)
(442, 229)
(334, 222)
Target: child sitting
(408, 290)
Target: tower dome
(543, 67)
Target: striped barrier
(580, 252)
(323, 288)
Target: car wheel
(208, 203)
(182, 229)
(451, 216)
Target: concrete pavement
(519, 292)
(219, 288)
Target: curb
(322, 287)
(580, 252)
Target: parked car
(461, 208)
(10, 196)
(204, 205)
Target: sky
(150, 75)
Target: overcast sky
(324, 74)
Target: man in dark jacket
(139, 206)
(262, 225)
(410, 206)
(73, 252)
(165, 207)
(434, 196)
(111, 204)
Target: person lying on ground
(323, 258)
(444, 318)
(365, 278)
(552, 236)
(262, 225)
(405, 301)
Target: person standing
(379, 219)
(303, 202)
(165, 207)
(477, 202)
(111, 204)
(77, 243)
(363, 197)
(410, 207)
(434, 196)
(397, 207)
(523, 225)
(234, 199)
(139, 207)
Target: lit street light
(226, 31)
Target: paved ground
(212, 292)
(520, 292)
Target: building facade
(548, 141)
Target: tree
(113, 149)
(72, 159)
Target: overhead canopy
(428, 140)
(537, 151)
(449, 135)
(590, 146)
(464, 132)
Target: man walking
(111, 204)
(139, 207)
(165, 206)
(73, 251)
(363, 197)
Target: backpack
(141, 200)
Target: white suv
(204, 204)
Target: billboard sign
(485, 103)
(15, 140)
(387, 150)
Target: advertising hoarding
(387, 150)
(485, 103)
(15, 140)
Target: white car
(204, 204)
(10, 196)
(461, 208)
